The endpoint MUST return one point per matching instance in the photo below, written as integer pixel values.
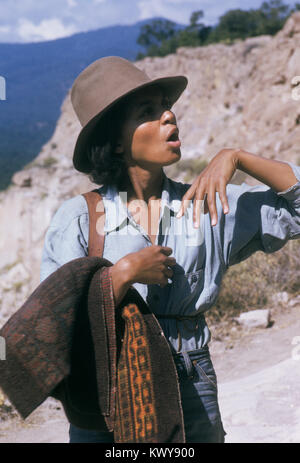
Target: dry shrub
(250, 284)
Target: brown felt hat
(102, 85)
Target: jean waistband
(197, 318)
(185, 361)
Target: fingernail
(213, 222)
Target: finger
(166, 250)
(223, 196)
(211, 201)
(198, 205)
(185, 201)
(170, 261)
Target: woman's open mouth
(173, 139)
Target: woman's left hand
(212, 179)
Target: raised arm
(214, 178)
(276, 174)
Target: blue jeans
(199, 398)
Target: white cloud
(149, 9)
(73, 16)
(71, 3)
(176, 10)
(4, 29)
(47, 29)
(176, 1)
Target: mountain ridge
(38, 76)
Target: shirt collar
(170, 199)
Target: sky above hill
(35, 21)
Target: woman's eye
(147, 111)
(150, 110)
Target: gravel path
(264, 406)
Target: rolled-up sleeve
(259, 219)
(67, 236)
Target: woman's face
(146, 131)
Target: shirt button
(194, 278)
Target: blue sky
(38, 20)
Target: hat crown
(103, 82)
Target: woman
(156, 237)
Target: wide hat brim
(172, 87)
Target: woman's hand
(150, 265)
(212, 179)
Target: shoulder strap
(96, 222)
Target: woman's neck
(143, 185)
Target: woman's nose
(168, 117)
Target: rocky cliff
(242, 95)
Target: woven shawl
(112, 370)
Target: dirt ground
(258, 373)
(259, 387)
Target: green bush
(162, 37)
(49, 161)
(17, 286)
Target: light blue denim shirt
(258, 219)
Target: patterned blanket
(112, 370)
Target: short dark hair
(108, 167)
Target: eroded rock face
(238, 96)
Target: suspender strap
(96, 223)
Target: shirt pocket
(186, 289)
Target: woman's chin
(174, 157)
